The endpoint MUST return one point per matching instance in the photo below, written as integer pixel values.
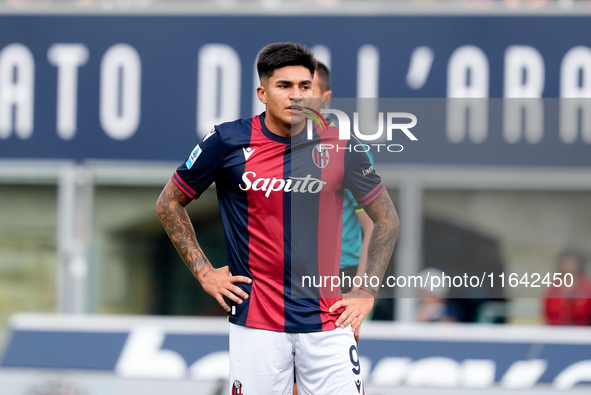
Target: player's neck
(283, 129)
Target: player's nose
(296, 94)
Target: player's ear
(262, 94)
(326, 98)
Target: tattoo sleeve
(383, 237)
(175, 220)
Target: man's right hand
(220, 282)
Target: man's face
(283, 94)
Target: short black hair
(277, 55)
(323, 73)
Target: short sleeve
(198, 172)
(361, 177)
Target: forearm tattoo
(175, 220)
(383, 237)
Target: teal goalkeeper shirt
(352, 233)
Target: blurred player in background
(280, 200)
(357, 225)
(432, 301)
(569, 304)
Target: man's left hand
(357, 306)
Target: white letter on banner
(120, 91)
(421, 61)
(218, 86)
(368, 71)
(434, 372)
(575, 95)
(67, 58)
(524, 85)
(212, 367)
(467, 79)
(142, 356)
(17, 79)
(390, 371)
(478, 373)
(578, 372)
(368, 76)
(524, 374)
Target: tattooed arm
(381, 244)
(383, 238)
(173, 216)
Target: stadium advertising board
(148, 87)
(184, 354)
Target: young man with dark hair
(280, 197)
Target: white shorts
(262, 362)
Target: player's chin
(297, 117)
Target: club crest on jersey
(320, 156)
(237, 388)
(193, 157)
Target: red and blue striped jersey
(281, 203)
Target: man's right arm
(177, 224)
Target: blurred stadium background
(100, 100)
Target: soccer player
(280, 196)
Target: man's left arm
(366, 229)
(358, 304)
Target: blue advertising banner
(391, 356)
(148, 87)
